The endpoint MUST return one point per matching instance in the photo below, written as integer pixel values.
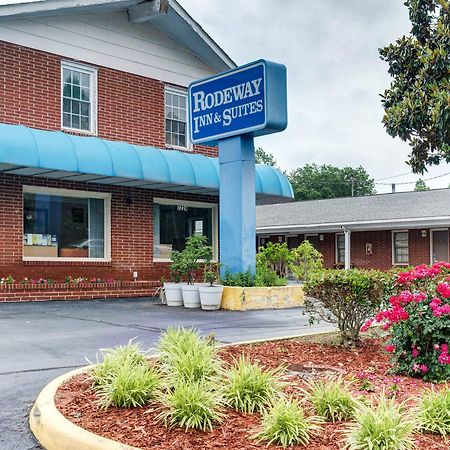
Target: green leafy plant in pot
(211, 293)
(195, 251)
(172, 289)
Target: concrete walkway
(40, 341)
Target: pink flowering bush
(418, 322)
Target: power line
(414, 182)
(393, 176)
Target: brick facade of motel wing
(131, 109)
(381, 240)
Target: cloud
(335, 76)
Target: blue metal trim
(54, 150)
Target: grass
(192, 405)
(285, 424)
(382, 426)
(433, 412)
(129, 387)
(188, 357)
(332, 400)
(130, 355)
(249, 389)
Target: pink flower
(435, 303)
(390, 348)
(424, 368)
(436, 346)
(443, 289)
(415, 352)
(366, 325)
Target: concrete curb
(55, 432)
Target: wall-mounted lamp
(320, 237)
(369, 249)
(424, 233)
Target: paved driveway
(39, 341)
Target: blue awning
(57, 155)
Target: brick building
(97, 174)
(379, 231)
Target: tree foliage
(421, 186)
(263, 157)
(313, 182)
(417, 103)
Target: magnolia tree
(418, 322)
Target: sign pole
(237, 204)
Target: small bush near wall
(346, 298)
(418, 321)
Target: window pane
(85, 94)
(66, 120)
(85, 80)
(401, 248)
(67, 92)
(75, 107)
(75, 121)
(84, 123)
(85, 109)
(76, 78)
(76, 92)
(67, 75)
(174, 223)
(66, 227)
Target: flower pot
(191, 297)
(173, 294)
(210, 297)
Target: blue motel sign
(229, 110)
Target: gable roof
(169, 17)
(384, 211)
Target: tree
(417, 103)
(313, 182)
(263, 157)
(421, 186)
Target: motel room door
(439, 245)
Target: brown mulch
(139, 427)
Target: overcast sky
(335, 76)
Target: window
(400, 250)
(65, 224)
(175, 220)
(79, 108)
(340, 249)
(176, 118)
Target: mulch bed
(138, 427)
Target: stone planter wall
(77, 291)
(246, 298)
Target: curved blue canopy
(54, 154)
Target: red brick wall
(130, 107)
(381, 258)
(131, 230)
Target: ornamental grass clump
(130, 355)
(250, 389)
(418, 322)
(433, 412)
(382, 426)
(192, 405)
(332, 399)
(129, 387)
(185, 356)
(285, 424)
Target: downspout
(347, 259)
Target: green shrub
(276, 257)
(196, 249)
(285, 424)
(380, 427)
(129, 386)
(248, 388)
(346, 298)
(266, 276)
(242, 279)
(130, 355)
(306, 261)
(332, 400)
(433, 412)
(187, 357)
(192, 405)
(418, 322)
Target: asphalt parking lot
(42, 340)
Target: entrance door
(439, 245)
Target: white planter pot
(173, 294)
(211, 296)
(191, 297)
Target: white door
(439, 245)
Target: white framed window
(68, 225)
(176, 123)
(175, 220)
(78, 97)
(340, 248)
(400, 247)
